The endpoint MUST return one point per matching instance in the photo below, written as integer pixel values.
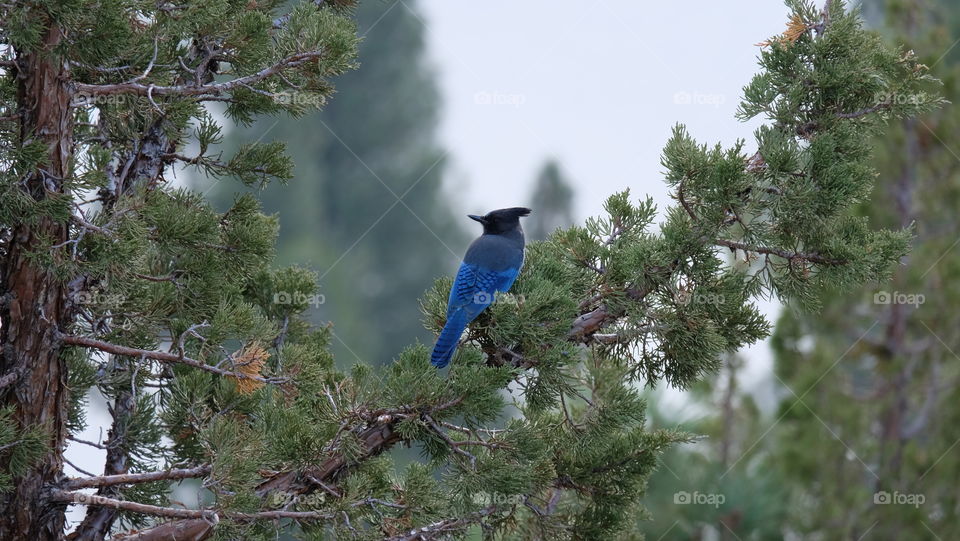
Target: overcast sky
(597, 84)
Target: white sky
(594, 83)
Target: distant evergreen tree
(111, 278)
(723, 486)
(552, 201)
(867, 427)
(366, 210)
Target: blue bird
(490, 266)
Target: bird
(489, 267)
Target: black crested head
(501, 220)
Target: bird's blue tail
(449, 337)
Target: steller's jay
(490, 266)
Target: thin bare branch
(131, 478)
(199, 91)
(161, 356)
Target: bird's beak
(477, 218)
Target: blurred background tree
(867, 386)
(367, 190)
(867, 428)
(552, 201)
(721, 487)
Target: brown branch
(161, 356)
(198, 91)
(865, 111)
(64, 496)
(377, 436)
(87, 225)
(441, 527)
(195, 529)
(374, 440)
(130, 478)
(172, 278)
(81, 498)
(792, 256)
(86, 442)
(453, 445)
(685, 204)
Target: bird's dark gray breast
(496, 252)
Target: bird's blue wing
(474, 288)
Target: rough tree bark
(36, 303)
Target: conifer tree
(367, 191)
(553, 198)
(867, 426)
(723, 486)
(112, 278)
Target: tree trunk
(35, 304)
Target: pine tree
(553, 198)
(367, 191)
(723, 486)
(114, 279)
(867, 424)
(110, 277)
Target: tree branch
(442, 527)
(64, 496)
(198, 91)
(131, 478)
(81, 498)
(807, 256)
(161, 356)
(196, 529)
